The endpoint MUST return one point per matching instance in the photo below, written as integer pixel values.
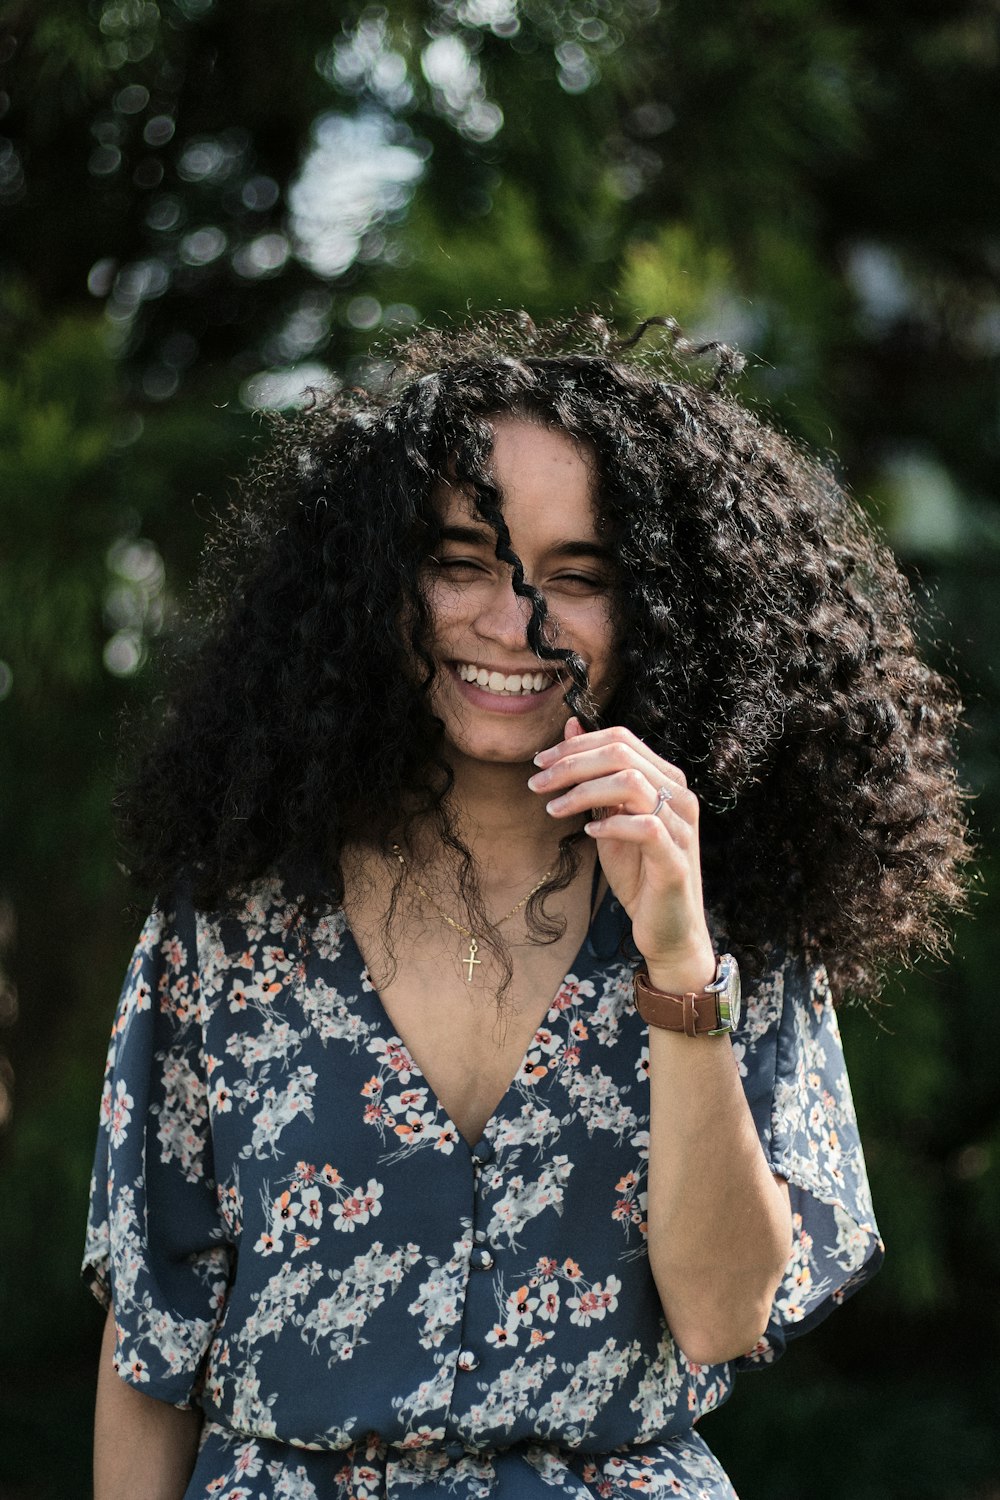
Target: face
(498, 702)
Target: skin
(141, 1446)
(719, 1225)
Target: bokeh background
(206, 207)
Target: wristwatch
(714, 1012)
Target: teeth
(497, 682)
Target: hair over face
(766, 646)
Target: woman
(436, 1156)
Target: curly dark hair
(766, 640)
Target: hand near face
(647, 841)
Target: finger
(629, 828)
(573, 728)
(628, 791)
(584, 764)
(590, 768)
(672, 846)
(617, 734)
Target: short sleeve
(792, 1060)
(156, 1248)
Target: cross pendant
(472, 959)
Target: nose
(503, 617)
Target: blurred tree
(205, 207)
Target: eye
(580, 583)
(457, 564)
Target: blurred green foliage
(206, 207)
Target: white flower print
(137, 1368)
(524, 1201)
(358, 1207)
(548, 1301)
(592, 1304)
(183, 1126)
(280, 1108)
(331, 1016)
(121, 1113)
(220, 1100)
(438, 1303)
(339, 1318)
(393, 1055)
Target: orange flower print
(221, 1098)
(137, 1368)
(414, 1127)
(285, 1210)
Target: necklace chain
(472, 961)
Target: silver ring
(663, 795)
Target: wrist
(684, 973)
(691, 978)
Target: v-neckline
(390, 1030)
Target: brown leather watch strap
(692, 1013)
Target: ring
(663, 795)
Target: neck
(503, 823)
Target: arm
(720, 1229)
(141, 1446)
(719, 1222)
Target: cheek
(598, 635)
(446, 605)
(604, 655)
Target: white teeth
(514, 684)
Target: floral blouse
(296, 1238)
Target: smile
(504, 685)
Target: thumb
(573, 728)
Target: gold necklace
(472, 961)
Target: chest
(468, 1030)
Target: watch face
(727, 988)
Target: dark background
(205, 206)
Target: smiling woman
(442, 1150)
(479, 642)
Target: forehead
(542, 473)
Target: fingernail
(542, 758)
(592, 827)
(537, 781)
(555, 804)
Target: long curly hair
(766, 646)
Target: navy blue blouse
(295, 1236)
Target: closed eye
(455, 564)
(580, 582)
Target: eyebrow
(476, 536)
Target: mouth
(504, 684)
